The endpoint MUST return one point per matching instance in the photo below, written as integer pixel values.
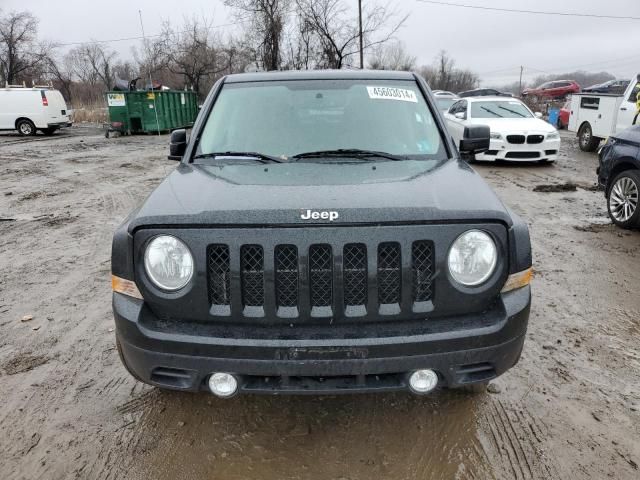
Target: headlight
(168, 262)
(472, 258)
(495, 136)
(553, 136)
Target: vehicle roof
(319, 75)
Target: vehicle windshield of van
(321, 120)
(498, 109)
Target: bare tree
(443, 75)
(61, 72)
(19, 50)
(93, 63)
(336, 28)
(391, 56)
(194, 53)
(267, 20)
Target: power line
(533, 12)
(126, 39)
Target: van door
(627, 110)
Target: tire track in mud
(514, 439)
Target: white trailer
(595, 117)
(28, 109)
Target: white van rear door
(56, 109)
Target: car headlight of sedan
(495, 136)
(553, 136)
(168, 262)
(472, 258)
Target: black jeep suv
(321, 234)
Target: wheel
(26, 127)
(588, 143)
(49, 131)
(622, 199)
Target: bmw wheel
(622, 199)
(26, 127)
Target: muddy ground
(570, 409)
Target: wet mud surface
(569, 409)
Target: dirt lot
(570, 409)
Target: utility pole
(361, 41)
(520, 89)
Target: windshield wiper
(511, 111)
(263, 158)
(347, 152)
(491, 112)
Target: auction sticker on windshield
(391, 93)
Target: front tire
(26, 128)
(586, 140)
(622, 199)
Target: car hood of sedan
(512, 125)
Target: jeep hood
(279, 194)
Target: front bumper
(503, 150)
(462, 350)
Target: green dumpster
(151, 111)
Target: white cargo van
(29, 109)
(595, 117)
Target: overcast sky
(494, 44)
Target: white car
(516, 132)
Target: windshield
(445, 103)
(287, 118)
(499, 109)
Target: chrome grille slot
(252, 275)
(321, 276)
(219, 278)
(286, 264)
(354, 257)
(389, 274)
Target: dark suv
(619, 175)
(321, 234)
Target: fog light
(423, 381)
(223, 384)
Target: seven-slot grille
(317, 273)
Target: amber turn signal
(518, 280)
(126, 287)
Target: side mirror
(538, 114)
(177, 144)
(460, 115)
(476, 139)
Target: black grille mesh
(535, 139)
(355, 274)
(286, 259)
(252, 274)
(389, 273)
(288, 280)
(422, 271)
(219, 275)
(516, 139)
(321, 275)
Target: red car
(555, 89)
(563, 116)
